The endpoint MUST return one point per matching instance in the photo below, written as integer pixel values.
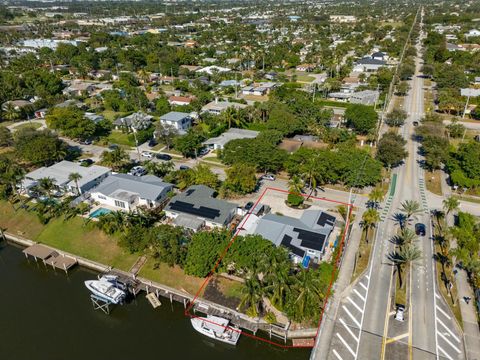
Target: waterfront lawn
(86, 241)
(18, 221)
(171, 276)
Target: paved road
(364, 326)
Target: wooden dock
(153, 299)
(50, 257)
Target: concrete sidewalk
(469, 317)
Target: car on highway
(164, 157)
(400, 313)
(269, 177)
(184, 167)
(420, 229)
(147, 154)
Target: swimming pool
(99, 212)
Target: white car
(147, 154)
(400, 314)
(269, 177)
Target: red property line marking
(239, 227)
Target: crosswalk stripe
(450, 331)
(450, 343)
(360, 295)
(446, 354)
(353, 303)
(351, 316)
(346, 345)
(348, 329)
(443, 312)
(337, 355)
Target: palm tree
(296, 184)
(406, 237)
(450, 204)
(10, 113)
(307, 294)
(115, 158)
(439, 217)
(369, 218)
(75, 177)
(410, 208)
(277, 275)
(404, 257)
(252, 296)
(376, 196)
(46, 185)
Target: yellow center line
(387, 318)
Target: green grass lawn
(86, 241)
(120, 138)
(112, 115)
(305, 78)
(29, 125)
(171, 276)
(19, 221)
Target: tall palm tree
(115, 158)
(404, 257)
(376, 196)
(450, 204)
(369, 218)
(277, 275)
(10, 113)
(46, 185)
(307, 294)
(410, 208)
(252, 296)
(296, 184)
(406, 237)
(75, 176)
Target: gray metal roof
(198, 201)
(370, 61)
(125, 187)
(230, 135)
(277, 229)
(175, 116)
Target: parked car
(203, 151)
(113, 146)
(184, 167)
(269, 177)
(420, 229)
(248, 205)
(415, 123)
(86, 162)
(164, 157)
(400, 313)
(86, 142)
(137, 171)
(147, 154)
(152, 143)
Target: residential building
(17, 104)
(365, 97)
(197, 207)
(343, 18)
(210, 70)
(180, 100)
(219, 142)
(306, 67)
(307, 236)
(134, 122)
(179, 120)
(127, 192)
(79, 88)
(60, 172)
(472, 33)
(368, 64)
(216, 107)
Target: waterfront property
(60, 173)
(50, 257)
(197, 207)
(99, 212)
(127, 192)
(307, 236)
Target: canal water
(48, 315)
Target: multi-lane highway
(365, 327)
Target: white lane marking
(450, 343)
(337, 355)
(437, 296)
(348, 329)
(363, 285)
(367, 276)
(450, 331)
(351, 316)
(360, 295)
(446, 354)
(353, 303)
(443, 312)
(346, 345)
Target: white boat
(216, 328)
(105, 290)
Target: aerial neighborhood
(275, 166)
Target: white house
(472, 33)
(179, 120)
(127, 192)
(219, 142)
(216, 107)
(60, 172)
